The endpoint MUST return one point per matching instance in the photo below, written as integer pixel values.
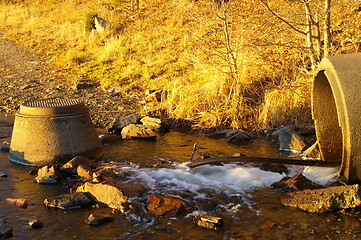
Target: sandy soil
(26, 76)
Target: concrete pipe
(53, 131)
(336, 109)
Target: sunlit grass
(180, 47)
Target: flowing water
(239, 194)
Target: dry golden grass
(233, 65)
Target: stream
(239, 194)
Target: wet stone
(5, 146)
(85, 171)
(17, 201)
(96, 219)
(295, 183)
(209, 222)
(46, 175)
(3, 175)
(72, 165)
(105, 193)
(5, 230)
(35, 223)
(160, 205)
(68, 201)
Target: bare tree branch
(282, 19)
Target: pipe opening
(328, 130)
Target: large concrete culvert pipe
(336, 109)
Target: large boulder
(5, 230)
(295, 183)
(68, 201)
(160, 205)
(105, 193)
(324, 200)
(137, 131)
(289, 139)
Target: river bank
(26, 76)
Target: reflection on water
(238, 194)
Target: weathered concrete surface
(324, 200)
(336, 110)
(45, 140)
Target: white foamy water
(228, 179)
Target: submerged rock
(70, 200)
(22, 202)
(209, 222)
(324, 200)
(35, 223)
(2, 174)
(5, 146)
(295, 183)
(160, 205)
(138, 131)
(5, 230)
(96, 219)
(104, 193)
(289, 139)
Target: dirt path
(26, 76)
